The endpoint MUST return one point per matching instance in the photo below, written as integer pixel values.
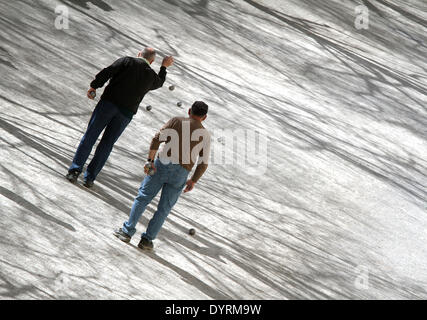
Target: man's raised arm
(161, 76)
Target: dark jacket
(130, 79)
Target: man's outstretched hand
(167, 61)
(189, 185)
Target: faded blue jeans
(106, 115)
(171, 178)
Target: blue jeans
(106, 115)
(171, 178)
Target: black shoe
(72, 176)
(145, 244)
(88, 183)
(119, 233)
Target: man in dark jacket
(130, 79)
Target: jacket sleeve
(159, 78)
(107, 73)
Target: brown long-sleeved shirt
(186, 140)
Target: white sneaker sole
(123, 238)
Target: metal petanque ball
(179, 103)
(148, 108)
(192, 231)
(171, 88)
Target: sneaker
(88, 183)
(119, 233)
(72, 176)
(145, 244)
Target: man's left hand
(167, 61)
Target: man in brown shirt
(186, 142)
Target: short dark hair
(199, 109)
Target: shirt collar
(144, 60)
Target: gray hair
(149, 53)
